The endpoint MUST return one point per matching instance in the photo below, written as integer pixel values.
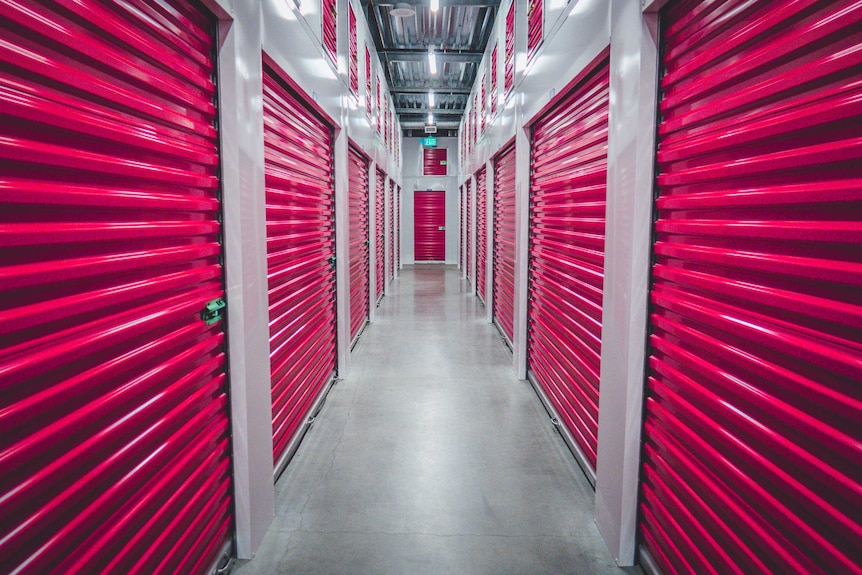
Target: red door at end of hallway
(567, 238)
(300, 253)
(504, 242)
(115, 444)
(429, 225)
(751, 440)
(357, 168)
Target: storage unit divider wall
(504, 242)
(380, 243)
(300, 237)
(481, 233)
(357, 167)
(751, 460)
(115, 450)
(567, 235)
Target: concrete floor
(431, 457)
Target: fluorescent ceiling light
(430, 98)
(435, 5)
(430, 119)
(432, 60)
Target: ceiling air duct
(403, 10)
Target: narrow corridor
(431, 457)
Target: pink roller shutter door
(567, 237)
(752, 454)
(391, 230)
(468, 189)
(357, 167)
(379, 218)
(115, 451)
(429, 215)
(504, 241)
(481, 233)
(300, 246)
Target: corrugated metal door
(434, 161)
(509, 51)
(429, 221)
(357, 171)
(535, 26)
(567, 247)
(115, 451)
(391, 230)
(300, 253)
(752, 450)
(504, 242)
(481, 233)
(379, 217)
(462, 237)
(329, 14)
(468, 188)
(398, 231)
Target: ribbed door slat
(504, 241)
(115, 451)
(567, 236)
(357, 171)
(481, 233)
(429, 215)
(379, 218)
(752, 450)
(300, 240)
(468, 189)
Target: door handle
(441, 228)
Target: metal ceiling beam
(437, 90)
(426, 111)
(419, 55)
(476, 3)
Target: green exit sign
(429, 142)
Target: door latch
(332, 261)
(441, 228)
(212, 313)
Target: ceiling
(459, 32)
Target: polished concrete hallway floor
(430, 457)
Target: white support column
(342, 248)
(241, 132)
(372, 237)
(631, 153)
(522, 237)
(489, 241)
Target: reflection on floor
(430, 457)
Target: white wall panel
(414, 180)
(241, 117)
